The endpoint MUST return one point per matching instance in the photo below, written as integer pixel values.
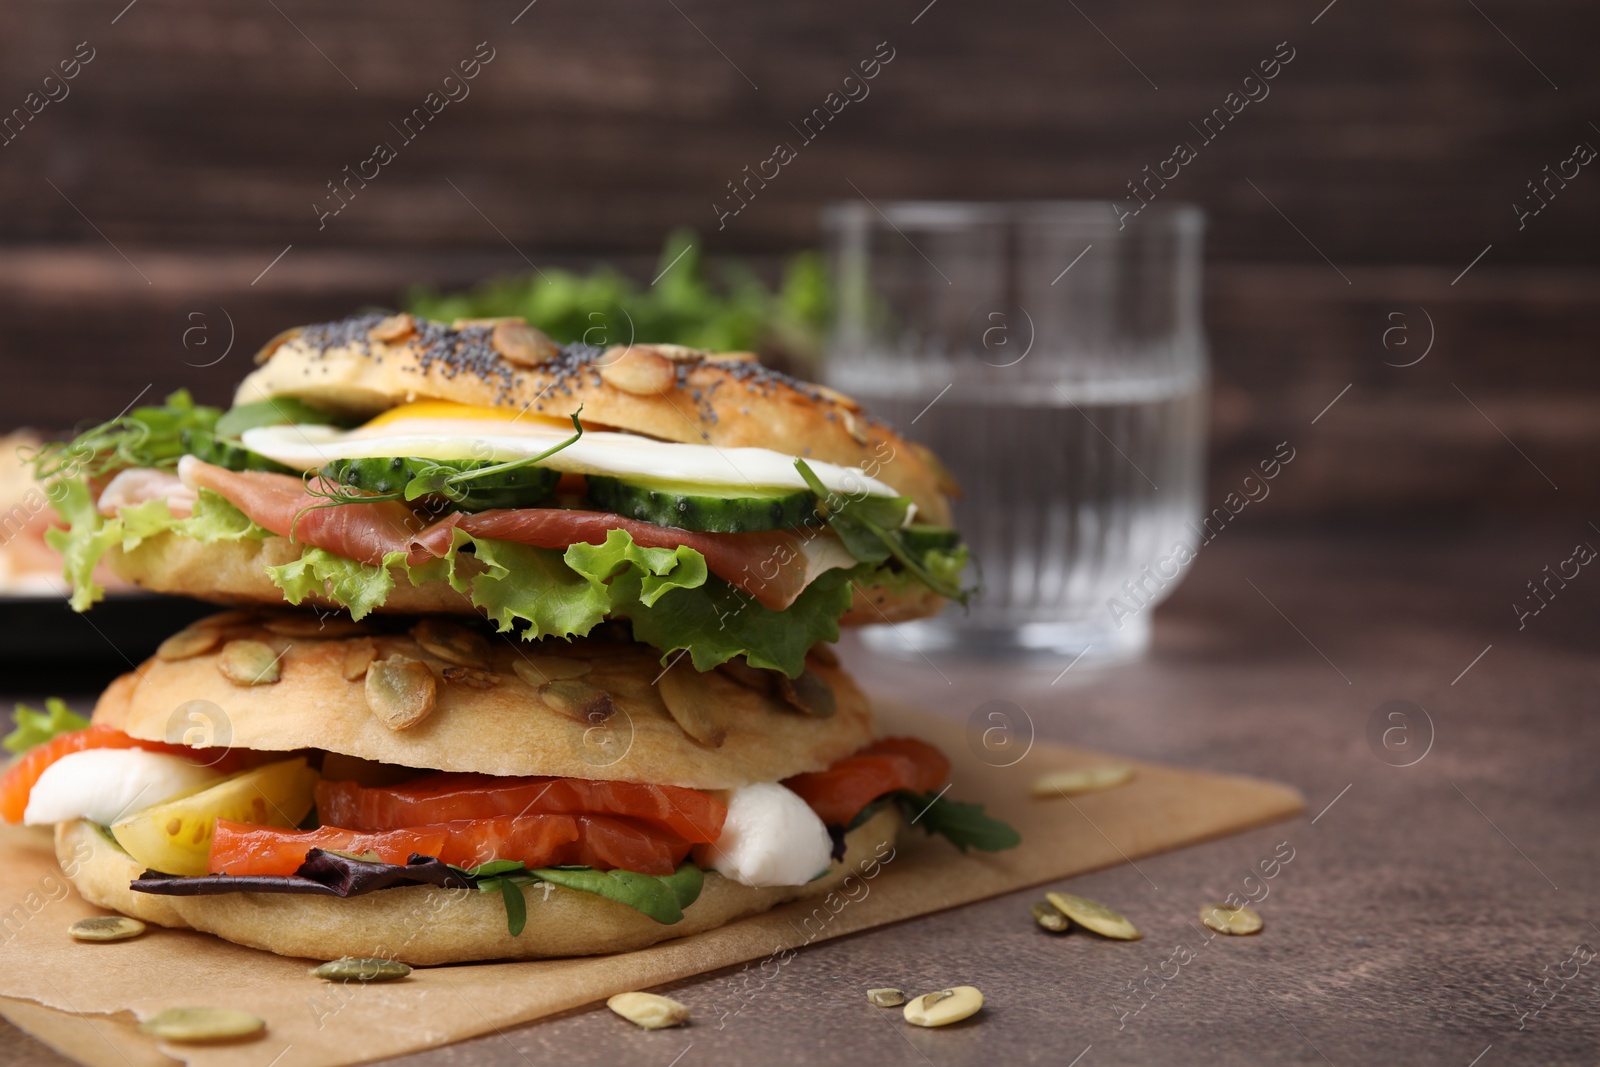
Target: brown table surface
(1422, 902)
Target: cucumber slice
(520, 488)
(920, 540)
(706, 508)
(229, 454)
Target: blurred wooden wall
(147, 198)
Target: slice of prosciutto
(140, 485)
(772, 567)
(281, 503)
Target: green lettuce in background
(733, 312)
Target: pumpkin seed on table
(360, 969)
(249, 663)
(401, 691)
(887, 997)
(186, 644)
(1095, 916)
(649, 1011)
(1082, 780)
(1050, 917)
(943, 1007)
(106, 928)
(202, 1024)
(1229, 919)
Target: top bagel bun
(368, 364)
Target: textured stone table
(1421, 902)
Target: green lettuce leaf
(358, 586)
(717, 622)
(34, 728)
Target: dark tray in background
(46, 647)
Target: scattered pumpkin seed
(691, 703)
(1050, 917)
(452, 643)
(106, 928)
(944, 1007)
(807, 693)
(249, 663)
(578, 701)
(537, 670)
(887, 997)
(401, 691)
(649, 1010)
(202, 1024)
(1094, 916)
(186, 644)
(358, 656)
(638, 372)
(360, 969)
(1082, 780)
(394, 328)
(1226, 919)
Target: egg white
(597, 452)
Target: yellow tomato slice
(175, 836)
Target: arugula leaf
(516, 905)
(34, 728)
(662, 897)
(869, 526)
(965, 825)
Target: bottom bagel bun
(425, 925)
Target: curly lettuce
(89, 535)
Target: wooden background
(191, 149)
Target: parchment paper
(85, 999)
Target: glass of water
(1053, 357)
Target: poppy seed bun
(505, 719)
(662, 391)
(234, 572)
(425, 925)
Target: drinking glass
(1052, 356)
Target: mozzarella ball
(105, 785)
(771, 838)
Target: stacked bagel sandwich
(527, 649)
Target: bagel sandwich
(392, 464)
(421, 790)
